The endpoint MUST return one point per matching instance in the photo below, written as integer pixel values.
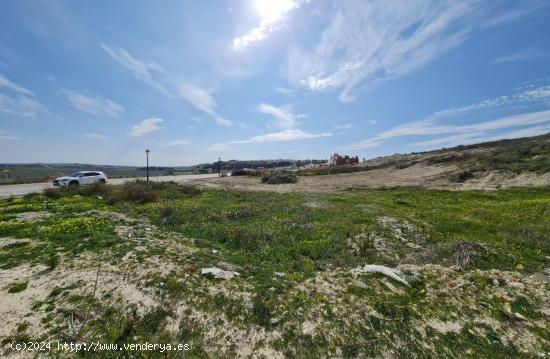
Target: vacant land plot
(457, 273)
(419, 175)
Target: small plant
(138, 192)
(465, 252)
(461, 176)
(18, 287)
(52, 261)
(279, 178)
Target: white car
(80, 178)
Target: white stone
(219, 273)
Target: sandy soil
(419, 175)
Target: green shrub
(18, 287)
(137, 192)
(52, 261)
(279, 178)
(245, 172)
(240, 172)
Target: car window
(89, 174)
(76, 174)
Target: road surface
(21, 189)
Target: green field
(297, 294)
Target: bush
(98, 188)
(279, 178)
(240, 173)
(461, 176)
(18, 287)
(52, 261)
(137, 192)
(244, 172)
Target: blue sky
(100, 81)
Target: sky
(101, 81)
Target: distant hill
(36, 172)
(529, 154)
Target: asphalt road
(21, 189)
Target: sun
(272, 10)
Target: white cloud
(367, 42)
(343, 127)
(5, 83)
(96, 136)
(271, 12)
(174, 143)
(477, 137)
(284, 90)
(524, 54)
(161, 80)
(286, 135)
(201, 100)
(282, 136)
(217, 147)
(149, 125)
(464, 132)
(91, 104)
(283, 117)
(371, 122)
(142, 70)
(529, 95)
(4, 137)
(21, 106)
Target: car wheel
(74, 184)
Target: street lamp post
(220, 166)
(147, 154)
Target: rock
(412, 245)
(388, 272)
(227, 266)
(6, 243)
(517, 285)
(219, 273)
(541, 277)
(519, 266)
(214, 251)
(496, 283)
(32, 216)
(547, 271)
(279, 274)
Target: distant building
(337, 160)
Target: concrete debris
(541, 277)
(219, 273)
(517, 285)
(388, 272)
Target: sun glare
(272, 10)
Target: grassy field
(299, 293)
(39, 172)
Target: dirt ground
(420, 175)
